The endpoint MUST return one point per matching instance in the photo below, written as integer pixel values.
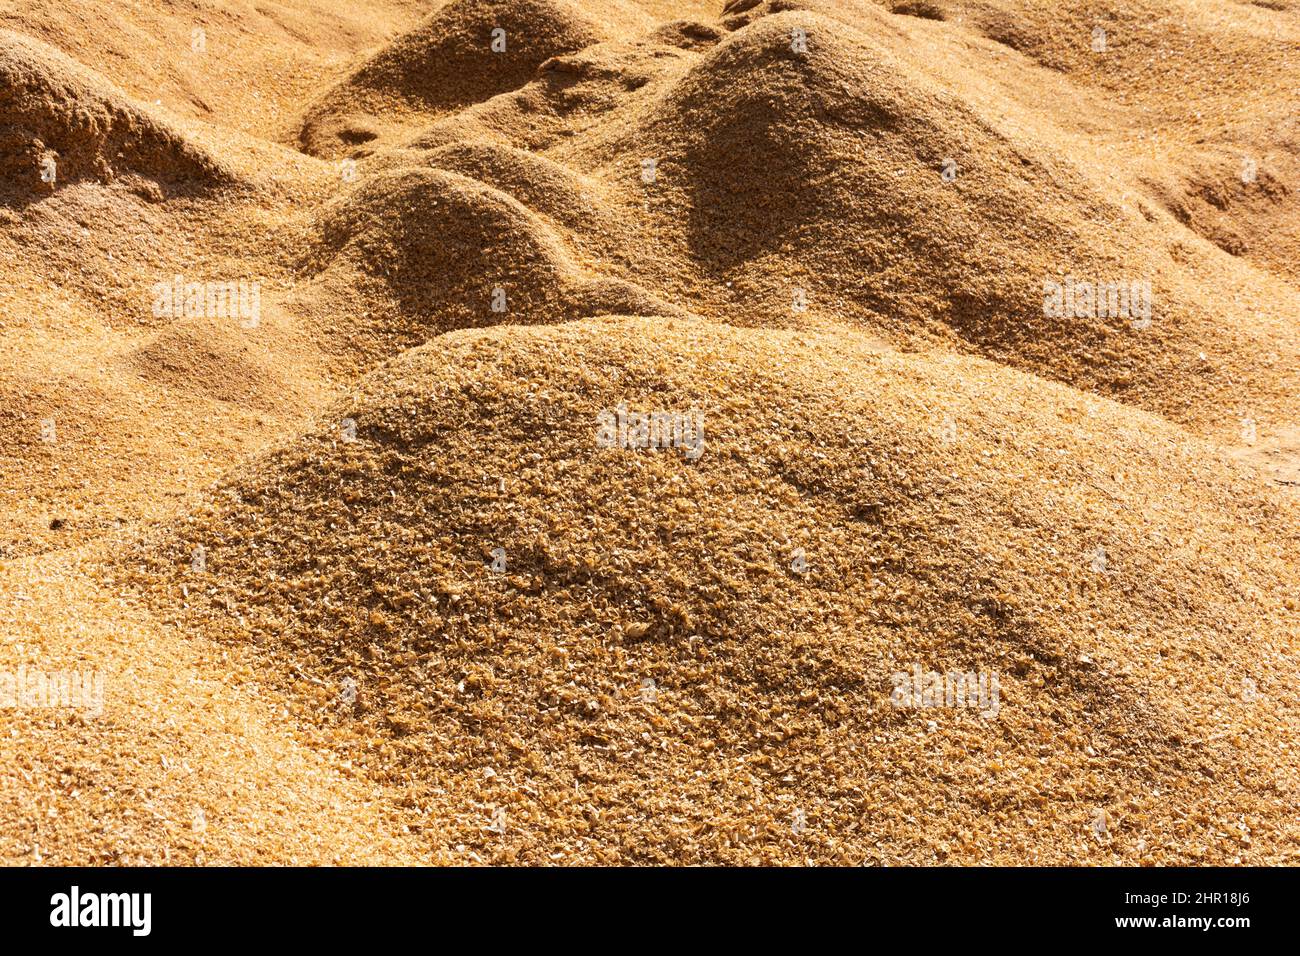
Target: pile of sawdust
(56, 115)
(951, 515)
(441, 65)
(494, 260)
(818, 178)
(424, 614)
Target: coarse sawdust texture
(363, 584)
(369, 560)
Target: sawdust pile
(393, 574)
(441, 66)
(60, 116)
(819, 176)
(371, 561)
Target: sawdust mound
(53, 108)
(823, 171)
(450, 251)
(651, 675)
(541, 184)
(207, 358)
(448, 62)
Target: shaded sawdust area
(190, 761)
(368, 561)
(440, 66)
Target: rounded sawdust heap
(951, 515)
(440, 66)
(496, 260)
(65, 121)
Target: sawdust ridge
(53, 108)
(440, 66)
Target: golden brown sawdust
(370, 560)
(189, 762)
(440, 66)
(1072, 503)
